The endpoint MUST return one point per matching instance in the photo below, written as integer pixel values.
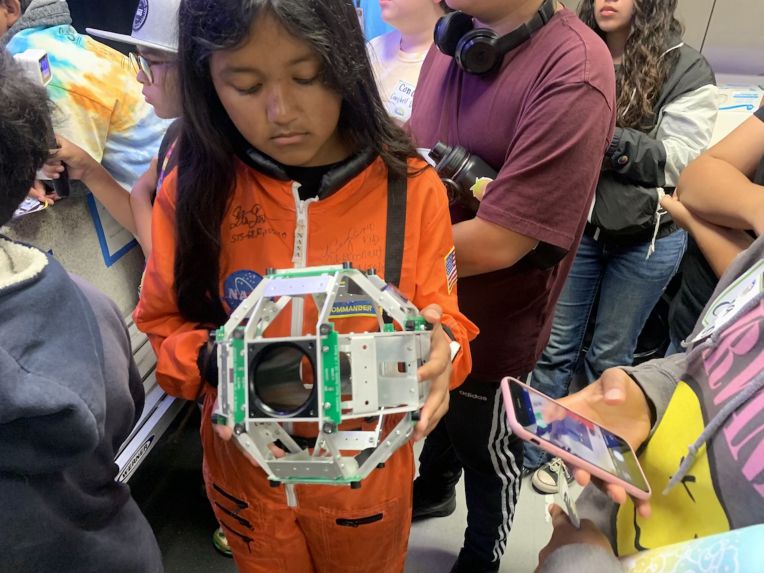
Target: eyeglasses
(141, 64)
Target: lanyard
(359, 12)
(165, 165)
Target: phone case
(564, 455)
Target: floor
(168, 489)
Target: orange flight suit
(331, 529)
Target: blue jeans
(629, 287)
(674, 347)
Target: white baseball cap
(155, 26)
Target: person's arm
(719, 245)
(82, 166)
(572, 550)
(432, 282)
(435, 295)
(685, 130)
(717, 186)
(658, 379)
(176, 341)
(483, 246)
(112, 195)
(543, 191)
(140, 203)
(577, 556)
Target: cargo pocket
(363, 540)
(235, 516)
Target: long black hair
(645, 66)
(206, 156)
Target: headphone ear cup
(477, 52)
(450, 29)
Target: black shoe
(467, 562)
(426, 506)
(425, 509)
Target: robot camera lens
(282, 378)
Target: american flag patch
(451, 276)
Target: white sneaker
(544, 479)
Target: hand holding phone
(617, 402)
(581, 441)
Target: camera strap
(397, 192)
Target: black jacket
(640, 166)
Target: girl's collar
(333, 180)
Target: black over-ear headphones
(480, 51)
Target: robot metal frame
(326, 378)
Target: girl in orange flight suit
(288, 158)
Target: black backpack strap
(397, 189)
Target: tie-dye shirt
(98, 101)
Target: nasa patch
(238, 286)
(141, 14)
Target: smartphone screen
(45, 70)
(553, 423)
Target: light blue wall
(372, 20)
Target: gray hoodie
(40, 14)
(69, 396)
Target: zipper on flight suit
(299, 260)
(300, 254)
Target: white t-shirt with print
(396, 73)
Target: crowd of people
(595, 126)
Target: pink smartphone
(536, 418)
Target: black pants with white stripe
(474, 436)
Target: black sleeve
(637, 156)
(760, 113)
(207, 362)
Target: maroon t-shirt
(544, 123)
